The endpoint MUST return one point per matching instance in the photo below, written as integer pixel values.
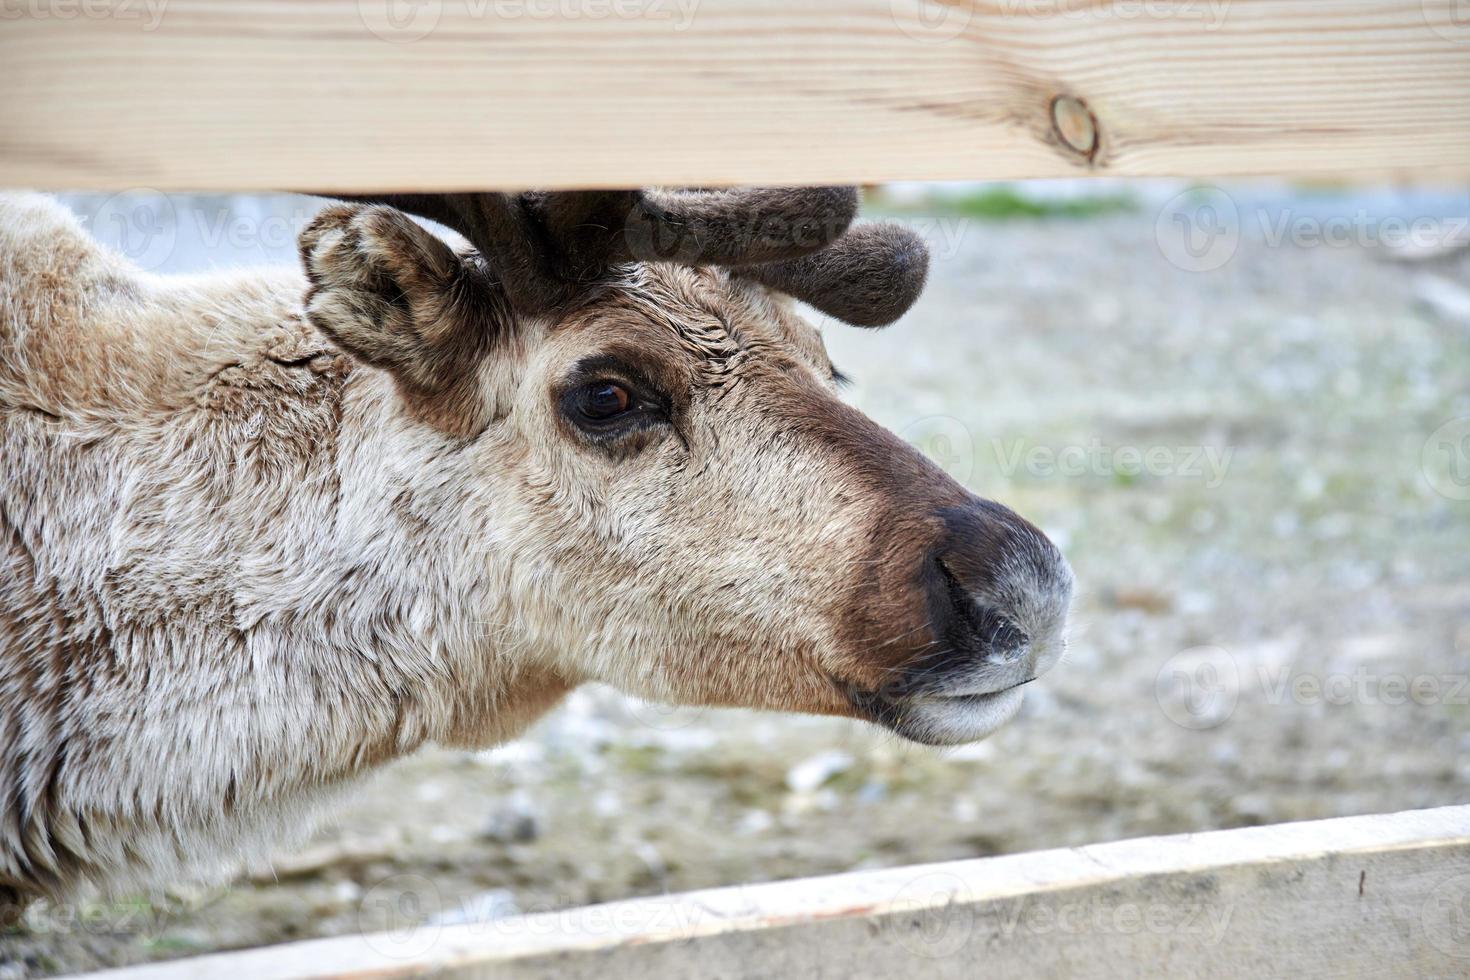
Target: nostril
(979, 628)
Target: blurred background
(1243, 411)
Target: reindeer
(264, 531)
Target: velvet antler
(544, 247)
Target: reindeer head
(676, 500)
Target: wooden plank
(1352, 897)
(440, 94)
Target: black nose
(970, 628)
(998, 590)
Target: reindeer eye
(611, 405)
(602, 400)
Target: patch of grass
(171, 944)
(637, 758)
(1003, 202)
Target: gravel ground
(1254, 465)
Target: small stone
(1252, 807)
(516, 822)
(972, 752)
(806, 776)
(651, 858)
(754, 822)
(1445, 299)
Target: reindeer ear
(393, 295)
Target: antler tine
(544, 246)
(591, 230)
(869, 277)
(740, 227)
(562, 239)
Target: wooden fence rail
(1384, 895)
(439, 94)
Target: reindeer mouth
(941, 718)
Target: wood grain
(1370, 896)
(321, 94)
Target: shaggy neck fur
(232, 572)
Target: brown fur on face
(261, 533)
